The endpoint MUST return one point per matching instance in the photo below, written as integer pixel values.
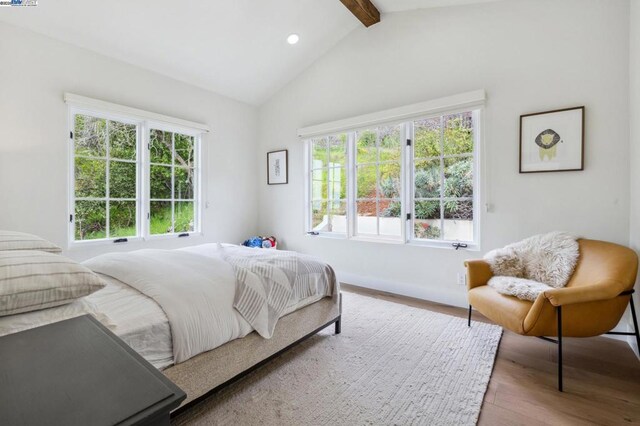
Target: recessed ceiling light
(293, 38)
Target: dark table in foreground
(76, 372)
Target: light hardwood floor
(601, 377)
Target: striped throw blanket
(269, 281)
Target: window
(443, 159)
(378, 181)
(172, 182)
(131, 178)
(413, 181)
(106, 178)
(329, 184)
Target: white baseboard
(439, 295)
(424, 292)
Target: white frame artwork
(552, 141)
(278, 167)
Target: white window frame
(353, 232)
(465, 102)
(144, 121)
(410, 199)
(197, 192)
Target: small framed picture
(277, 167)
(552, 141)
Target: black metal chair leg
(339, 325)
(559, 311)
(635, 322)
(469, 320)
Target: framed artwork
(552, 141)
(277, 167)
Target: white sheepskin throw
(531, 266)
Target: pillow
(12, 240)
(32, 280)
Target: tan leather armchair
(591, 304)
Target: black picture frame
(273, 169)
(582, 138)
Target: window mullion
(173, 182)
(442, 183)
(378, 182)
(328, 182)
(409, 179)
(107, 174)
(142, 157)
(351, 185)
(71, 234)
(197, 182)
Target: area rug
(392, 365)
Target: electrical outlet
(462, 279)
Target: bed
(131, 304)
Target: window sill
(327, 235)
(77, 245)
(382, 240)
(170, 236)
(447, 245)
(102, 242)
(444, 245)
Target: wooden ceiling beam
(364, 10)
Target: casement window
(329, 183)
(131, 177)
(443, 178)
(172, 182)
(378, 163)
(105, 178)
(413, 181)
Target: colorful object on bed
(261, 242)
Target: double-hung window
(131, 177)
(409, 181)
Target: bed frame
(208, 373)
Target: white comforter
(200, 288)
(196, 294)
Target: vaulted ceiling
(236, 48)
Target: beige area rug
(392, 365)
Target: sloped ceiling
(236, 48)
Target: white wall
(529, 56)
(35, 71)
(634, 91)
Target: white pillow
(13, 240)
(31, 280)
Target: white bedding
(195, 292)
(134, 317)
